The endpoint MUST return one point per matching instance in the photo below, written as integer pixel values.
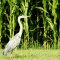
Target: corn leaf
(50, 23)
(42, 9)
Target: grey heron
(15, 40)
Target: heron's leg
(15, 50)
(12, 54)
(11, 51)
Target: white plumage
(15, 40)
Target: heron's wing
(15, 40)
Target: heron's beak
(27, 16)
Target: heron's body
(13, 43)
(15, 40)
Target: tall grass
(46, 19)
(24, 7)
(0, 20)
(12, 17)
(27, 7)
(54, 6)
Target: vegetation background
(41, 30)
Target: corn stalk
(54, 6)
(44, 22)
(24, 8)
(44, 9)
(0, 21)
(11, 17)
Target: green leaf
(50, 23)
(42, 9)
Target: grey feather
(15, 40)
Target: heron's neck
(21, 28)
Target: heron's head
(22, 17)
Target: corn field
(42, 29)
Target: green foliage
(0, 20)
(42, 9)
(38, 30)
(50, 23)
